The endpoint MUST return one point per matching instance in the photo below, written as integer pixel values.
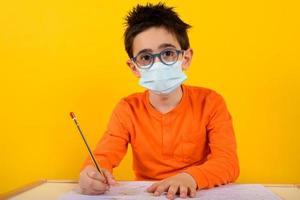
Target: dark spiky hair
(143, 17)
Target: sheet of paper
(135, 190)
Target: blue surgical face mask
(161, 78)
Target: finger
(98, 185)
(192, 192)
(91, 192)
(183, 191)
(153, 187)
(172, 191)
(90, 183)
(93, 187)
(111, 180)
(163, 187)
(96, 176)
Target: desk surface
(52, 189)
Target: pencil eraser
(72, 115)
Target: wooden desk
(52, 189)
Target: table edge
(34, 184)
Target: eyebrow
(165, 45)
(162, 46)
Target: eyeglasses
(168, 56)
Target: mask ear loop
(183, 54)
(182, 59)
(135, 65)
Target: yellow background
(62, 56)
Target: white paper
(135, 190)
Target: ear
(187, 58)
(133, 68)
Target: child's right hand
(91, 182)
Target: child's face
(154, 40)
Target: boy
(181, 136)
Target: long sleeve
(111, 149)
(221, 166)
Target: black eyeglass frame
(178, 51)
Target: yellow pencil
(87, 145)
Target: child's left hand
(182, 183)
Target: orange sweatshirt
(196, 137)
